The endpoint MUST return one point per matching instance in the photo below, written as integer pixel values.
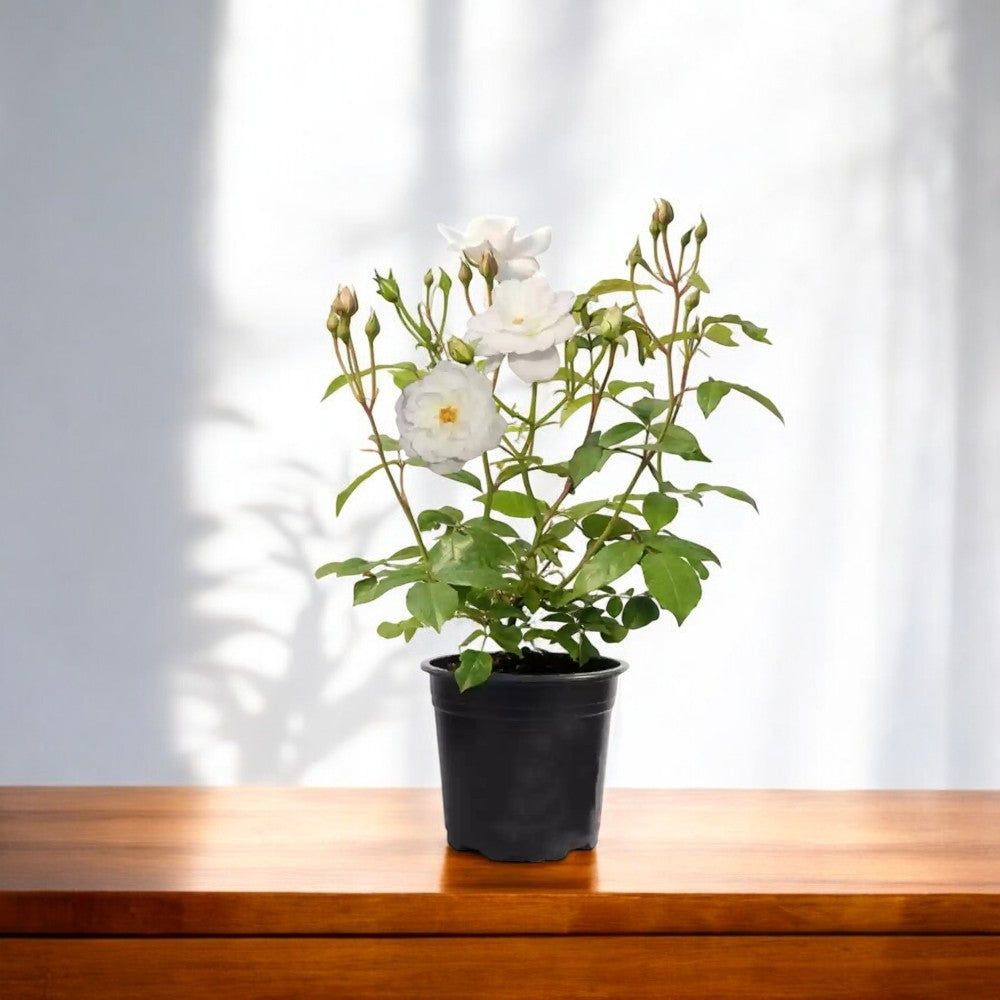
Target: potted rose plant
(543, 569)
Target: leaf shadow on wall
(265, 698)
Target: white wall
(184, 184)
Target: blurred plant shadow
(279, 724)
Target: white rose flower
(449, 417)
(526, 322)
(516, 257)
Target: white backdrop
(184, 184)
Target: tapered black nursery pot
(522, 759)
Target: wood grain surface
(168, 861)
(529, 968)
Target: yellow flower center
(517, 320)
(447, 414)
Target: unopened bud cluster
(343, 307)
(663, 215)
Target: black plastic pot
(522, 759)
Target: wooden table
(282, 893)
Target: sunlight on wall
(263, 457)
(345, 131)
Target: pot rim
(577, 677)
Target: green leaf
(560, 469)
(692, 551)
(428, 520)
(640, 612)
(674, 338)
(751, 330)
(729, 491)
(473, 546)
(450, 547)
(474, 667)
(593, 526)
(710, 394)
(618, 386)
(513, 504)
(465, 477)
(508, 637)
(677, 440)
(570, 408)
(345, 494)
(431, 603)
(364, 589)
(720, 334)
(648, 408)
(609, 285)
(697, 281)
(488, 550)
(606, 565)
(498, 611)
(403, 379)
(388, 443)
(613, 632)
(338, 383)
(405, 553)
(471, 638)
(758, 397)
(391, 630)
(492, 525)
(349, 567)
(466, 575)
(580, 510)
(619, 433)
(559, 530)
(515, 468)
(673, 583)
(659, 510)
(341, 380)
(754, 332)
(388, 581)
(585, 460)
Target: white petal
(534, 243)
(497, 229)
(448, 465)
(455, 238)
(517, 269)
(483, 323)
(562, 329)
(564, 301)
(508, 301)
(493, 363)
(537, 367)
